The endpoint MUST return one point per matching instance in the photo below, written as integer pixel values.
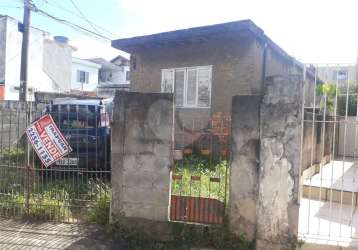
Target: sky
(313, 31)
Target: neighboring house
(84, 75)
(340, 74)
(206, 66)
(113, 75)
(124, 64)
(49, 67)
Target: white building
(100, 76)
(84, 75)
(49, 66)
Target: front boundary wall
(264, 179)
(264, 171)
(142, 134)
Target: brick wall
(221, 126)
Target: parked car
(86, 126)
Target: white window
(82, 76)
(191, 86)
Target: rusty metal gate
(200, 172)
(71, 189)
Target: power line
(68, 23)
(60, 7)
(83, 16)
(74, 26)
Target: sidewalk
(15, 234)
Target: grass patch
(61, 200)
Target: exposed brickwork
(221, 126)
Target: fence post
(244, 165)
(280, 130)
(142, 133)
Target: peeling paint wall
(280, 140)
(264, 170)
(141, 155)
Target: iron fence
(200, 172)
(328, 205)
(68, 190)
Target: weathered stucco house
(205, 67)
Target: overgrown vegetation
(328, 93)
(56, 200)
(205, 168)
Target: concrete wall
(264, 177)
(264, 171)
(280, 140)
(142, 133)
(244, 165)
(57, 59)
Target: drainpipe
(263, 73)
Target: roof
(201, 33)
(130, 44)
(85, 62)
(105, 64)
(119, 57)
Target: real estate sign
(47, 140)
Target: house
(205, 67)
(49, 67)
(100, 76)
(340, 74)
(113, 75)
(84, 75)
(123, 63)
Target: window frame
(185, 87)
(86, 76)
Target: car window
(75, 116)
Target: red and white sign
(47, 140)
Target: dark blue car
(86, 126)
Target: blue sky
(313, 31)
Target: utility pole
(24, 50)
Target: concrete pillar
(142, 133)
(244, 165)
(280, 130)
